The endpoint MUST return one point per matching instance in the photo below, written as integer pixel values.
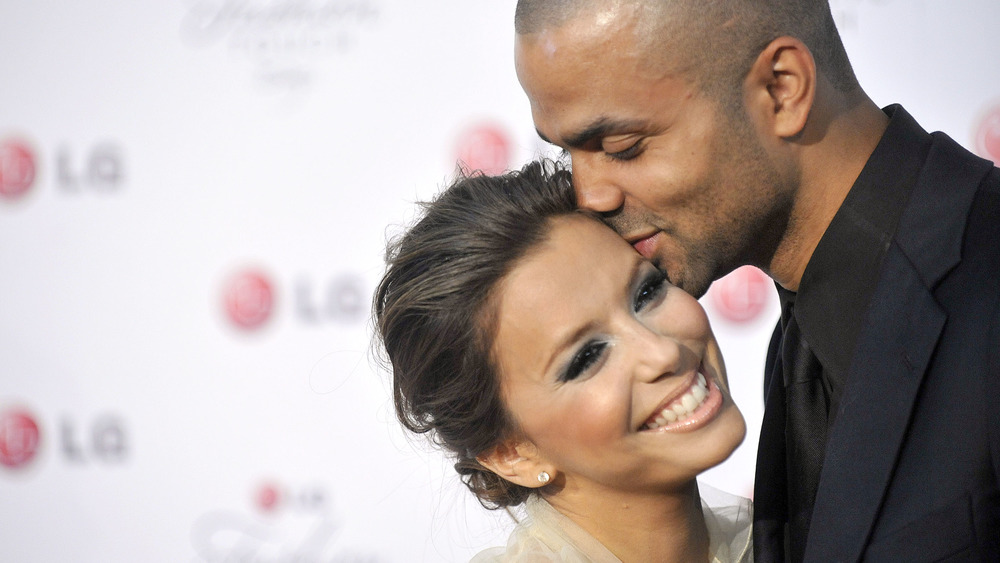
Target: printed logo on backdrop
(17, 168)
(282, 523)
(250, 299)
(285, 41)
(484, 147)
(20, 438)
(97, 168)
(79, 168)
(742, 295)
(98, 440)
(988, 134)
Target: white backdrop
(194, 199)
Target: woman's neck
(644, 526)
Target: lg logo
(98, 168)
(19, 438)
(102, 440)
(17, 168)
(250, 297)
(742, 295)
(270, 497)
(485, 148)
(988, 135)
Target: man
(716, 134)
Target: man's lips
(647, 245)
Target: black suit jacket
(912, 462)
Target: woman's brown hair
(435, 313)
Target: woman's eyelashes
(648, 292)
(650, 289)
(584, 359)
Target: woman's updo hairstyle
(436, 316)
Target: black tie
(806, 418)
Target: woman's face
(610, 371)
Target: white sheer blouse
(545, 535)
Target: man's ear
(518, 461)
(782, 81)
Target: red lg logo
(19, 439)
(484, 148)
(17, 169)
(742, 295)
(249, 299)
(268, 497)
(988, 136)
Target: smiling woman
(563, 371)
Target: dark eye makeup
(651, 289)
(584, 359)
(647, 292)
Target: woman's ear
(518, 461)
(782, 82)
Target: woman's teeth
(682, 407)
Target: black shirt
(837, 284)
(833, 299)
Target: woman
(563, 371)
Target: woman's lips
(698, 405)
(647, 246)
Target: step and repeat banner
(195, 197)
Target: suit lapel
(894, 348)
(892, 354)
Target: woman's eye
(584, 360)
(649, 290)
(627, 154)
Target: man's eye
(650, 290)
(584, 360)
(627, 154)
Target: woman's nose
(656, 355)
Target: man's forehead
(584, 30)
(532, 16)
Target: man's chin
(692, 285)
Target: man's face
(690, 186)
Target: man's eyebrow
(600, 127)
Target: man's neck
(831, 163)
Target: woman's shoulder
(729, 519)
(545, 535)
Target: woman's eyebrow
(575, 335)
(566, 341)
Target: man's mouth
(647, 245)
(697, 405)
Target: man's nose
(595, 190)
